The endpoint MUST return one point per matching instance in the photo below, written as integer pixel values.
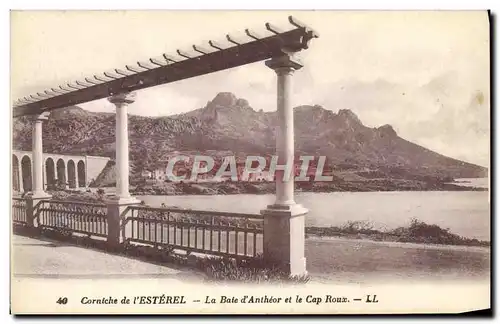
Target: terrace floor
(34, 258)
(328, 260)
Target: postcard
(250, 162)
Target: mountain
(228, 124)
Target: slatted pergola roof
(177, 66)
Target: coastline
(233, 188)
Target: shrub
(358, 227)
(421, 232)
(248, 270)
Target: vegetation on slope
(228, 125)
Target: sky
(425, 73)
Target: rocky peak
(224, 99)
(242, 103)
(224, 105)
(387, 130)
(349, 116)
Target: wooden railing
(19, 211)
(207, 232)
(78, 217)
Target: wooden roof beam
(173, 69)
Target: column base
(285, 210)
(119, 229)
(32, 203)
(298, 267)
(284, 237)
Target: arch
(81, 174)
(61, 172)
(16, 185)
(71, 174)
(50, 173)
(26, 173)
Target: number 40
(62, 300)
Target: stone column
(44, 175)
(77, 183)
(86, 173)
(118, 228)
(38, 193)
(284, 231)
(121, 101)
(66, 175)
(37, 156)
(20, 176)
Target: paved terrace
(329, 260)
(35, 258)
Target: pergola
(284, 228)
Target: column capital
(122, 98)
(286, 63)
(43, 116)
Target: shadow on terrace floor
(36, 256)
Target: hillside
(228, 125)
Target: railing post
(31, 208)
(30, 212)
(118, 227)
